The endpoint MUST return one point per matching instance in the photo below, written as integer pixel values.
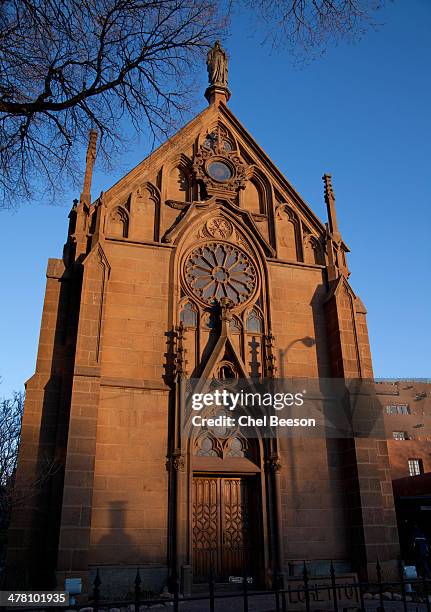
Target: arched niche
(287, 229)
(312, 250)
(178, 187)
(146, 213)
(177, 190)
(118, 226)
(253, 197)
(257, 199)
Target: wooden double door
(225, 529)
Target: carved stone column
(181, 556)
(274, 465)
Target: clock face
(219, 171)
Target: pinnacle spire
(330, 205)
(337, 264)
(89, 163)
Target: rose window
(217, 270)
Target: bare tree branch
(11, 496)
(307, 27)
(11, 411)
(69, 65)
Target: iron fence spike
(97, 580)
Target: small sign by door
(239, 579)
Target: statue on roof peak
(217, 65)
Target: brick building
(406, 408)
(206, 216)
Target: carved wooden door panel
(206, 529)
(222, 530)
(236, 536)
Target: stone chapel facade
(130, 311)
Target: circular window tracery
(215, 270)
(219, 171)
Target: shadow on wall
(117, 536)
(117, 556)
(306, 341)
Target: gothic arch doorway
(226, 509)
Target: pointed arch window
(189, 315)
(254, 322)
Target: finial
(89, 163)
(330, 205)
(329, 192)
(102, 198)
(217, 66)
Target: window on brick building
(415, 467)
(399, 435)
(397, 409)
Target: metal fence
(339, 596)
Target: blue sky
(360, 112)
